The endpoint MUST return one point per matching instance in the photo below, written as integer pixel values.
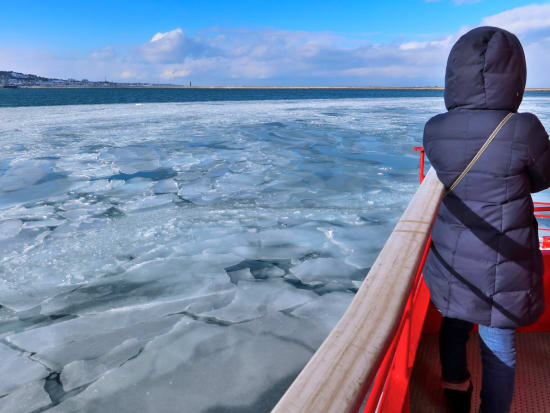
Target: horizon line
(159, 86)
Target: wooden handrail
(340, 371)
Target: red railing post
(390, 390)
(542, 209)
(421, 166)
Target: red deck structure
(416, 337)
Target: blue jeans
(498, 355)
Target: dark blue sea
(86, 96)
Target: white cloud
(174, 34)
(531, 24)
(240, 56)
(107, 53)
(174, 46)
(174, 73)
(130, 75)
(250, 68)
(445, 43)
(413, 45)
(284, 57)
(521, 19)
(391, 72)
(538, 61)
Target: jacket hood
(485, 70)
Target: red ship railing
(544, 208)
(370, 353)
(390, 390)
(340, 373)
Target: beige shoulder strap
(479, 153)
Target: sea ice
(29, 397)
(24, 173)
(18, 368)
(132, 159)
(325, 310)
(190, 256)
(166, 186)
(80, 372)
(10, 228)
(254, 299)
(246, 366)
(320, 270)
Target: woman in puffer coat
(485, 265)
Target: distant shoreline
(230, 87)
(439, 88)
(11, 79)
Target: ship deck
(531, 394)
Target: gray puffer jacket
(485, 265)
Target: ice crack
(54, 389)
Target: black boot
(459, 401)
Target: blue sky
(260, 42)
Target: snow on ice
(190, 257)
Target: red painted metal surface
(390, 387)
(421, 167)
(390, 390)
(543, 323)
(544, 208)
